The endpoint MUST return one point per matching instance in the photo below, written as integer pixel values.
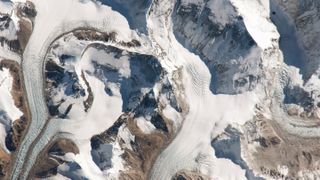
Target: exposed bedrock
(14, 128)
(221, 40)
(278, 154)
(146, 92)
(134, 10)
(297, 25)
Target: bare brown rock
(88, 102)
(147, 147)
(190, 175)
(27, 10)
(94, 35)
(4, 162)
(278, 148)
(20, 125)
(24, 32)
(48, 161)
(63, 146)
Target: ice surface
(244, 49)
(206, 117)
(64, 17)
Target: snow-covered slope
(13, 115)
(162, 89)
(9, 112)
(222, 41)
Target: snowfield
(64, 17)
(108, 75)
(8, 111)
(191, 148)
(258, 25)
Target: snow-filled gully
(9, 55)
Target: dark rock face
(57, 76)
(290, 43)
(10, 144)
(299, 96)
(63, 146)
(145, 71)
(135, 82)
(28, 10)
(148, 107)
(110, 134)
(6, 24)
(134, 10)
(219, 44)
(145, 147)
(51, 158)
(47, 170)
(94, 36)
(298, 33)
